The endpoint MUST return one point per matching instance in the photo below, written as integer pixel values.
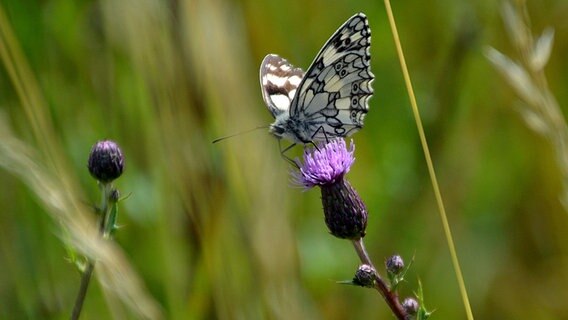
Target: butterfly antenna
(239, 133)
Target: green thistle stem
(106, 226)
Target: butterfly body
(330, 99)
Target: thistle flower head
(106, 161)
(410, 305)
(394, 264)
(325, 164)
(365, 276)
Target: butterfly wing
(331, 100)
(279, 81)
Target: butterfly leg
(322, 131)
(283, 151)
(315, 145)
(315, 134)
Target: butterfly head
(289, 129)
(277, 130)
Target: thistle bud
(394, 264)
(106, 161)
(114, 195)
(365, 276)
(410, 305)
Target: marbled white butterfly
(330, 99)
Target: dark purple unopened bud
(394, 264)
(325, 166)
(365, 276)
(106, 161)
(410, 305)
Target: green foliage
(422, 314)
(216, 231)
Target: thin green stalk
(432, 173)
(106, 225)
(85, 280)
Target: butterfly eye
(278, 130)
(347, 41)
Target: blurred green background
(218, 231)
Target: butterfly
(329, 100)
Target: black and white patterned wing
(332, 99)
(278, 80)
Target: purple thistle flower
(326, 166)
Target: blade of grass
(432, 173)
(54, 184)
